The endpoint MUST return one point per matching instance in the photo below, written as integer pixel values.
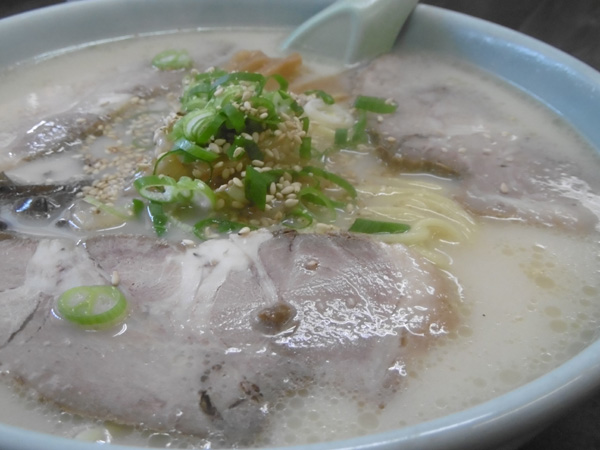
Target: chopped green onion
(297, 219)
(305, 147)
(249, 146)
(268, 104)
(256, 185)
(195, 191)
(305, 124)
(374, 104)
(92, 305)
(219, 225)
(191, 151)
(137, 206)
(158, 217)
(312, 195)
(107, 208)
(226, 109)
(236, 118)
(283, 83)
(156, 188)
(172, 60)
(200, 125)
(341, 137)
(336, 179)
(257, 78)
(378, 227)
(327, 99)
(211, 75)
(163, 189)
(359, 130)
(293, 104)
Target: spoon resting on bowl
(351, 31)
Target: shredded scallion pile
(242, 156)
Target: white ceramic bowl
(566, 85)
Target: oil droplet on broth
(559, 326)
(552, 311)
(544, 281)
(590, 290)
(509, 376)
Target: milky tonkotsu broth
(530, 295)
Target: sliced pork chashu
(64, 115)
(449, 127)
(218, 333)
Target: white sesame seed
(115, 279)
(237, 182)
(291, 202)
(287, 190)
(504, 188)
(238, 151)
(244, 231)
(246, 95)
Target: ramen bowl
(565, 85)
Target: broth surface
(529, 294)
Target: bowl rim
(570, 87)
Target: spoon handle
(351, 31)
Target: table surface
(572, 26)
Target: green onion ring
(92, 305)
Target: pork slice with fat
(454, 128)
(217, 334)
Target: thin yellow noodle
(434, 218)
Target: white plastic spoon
(351, 31)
